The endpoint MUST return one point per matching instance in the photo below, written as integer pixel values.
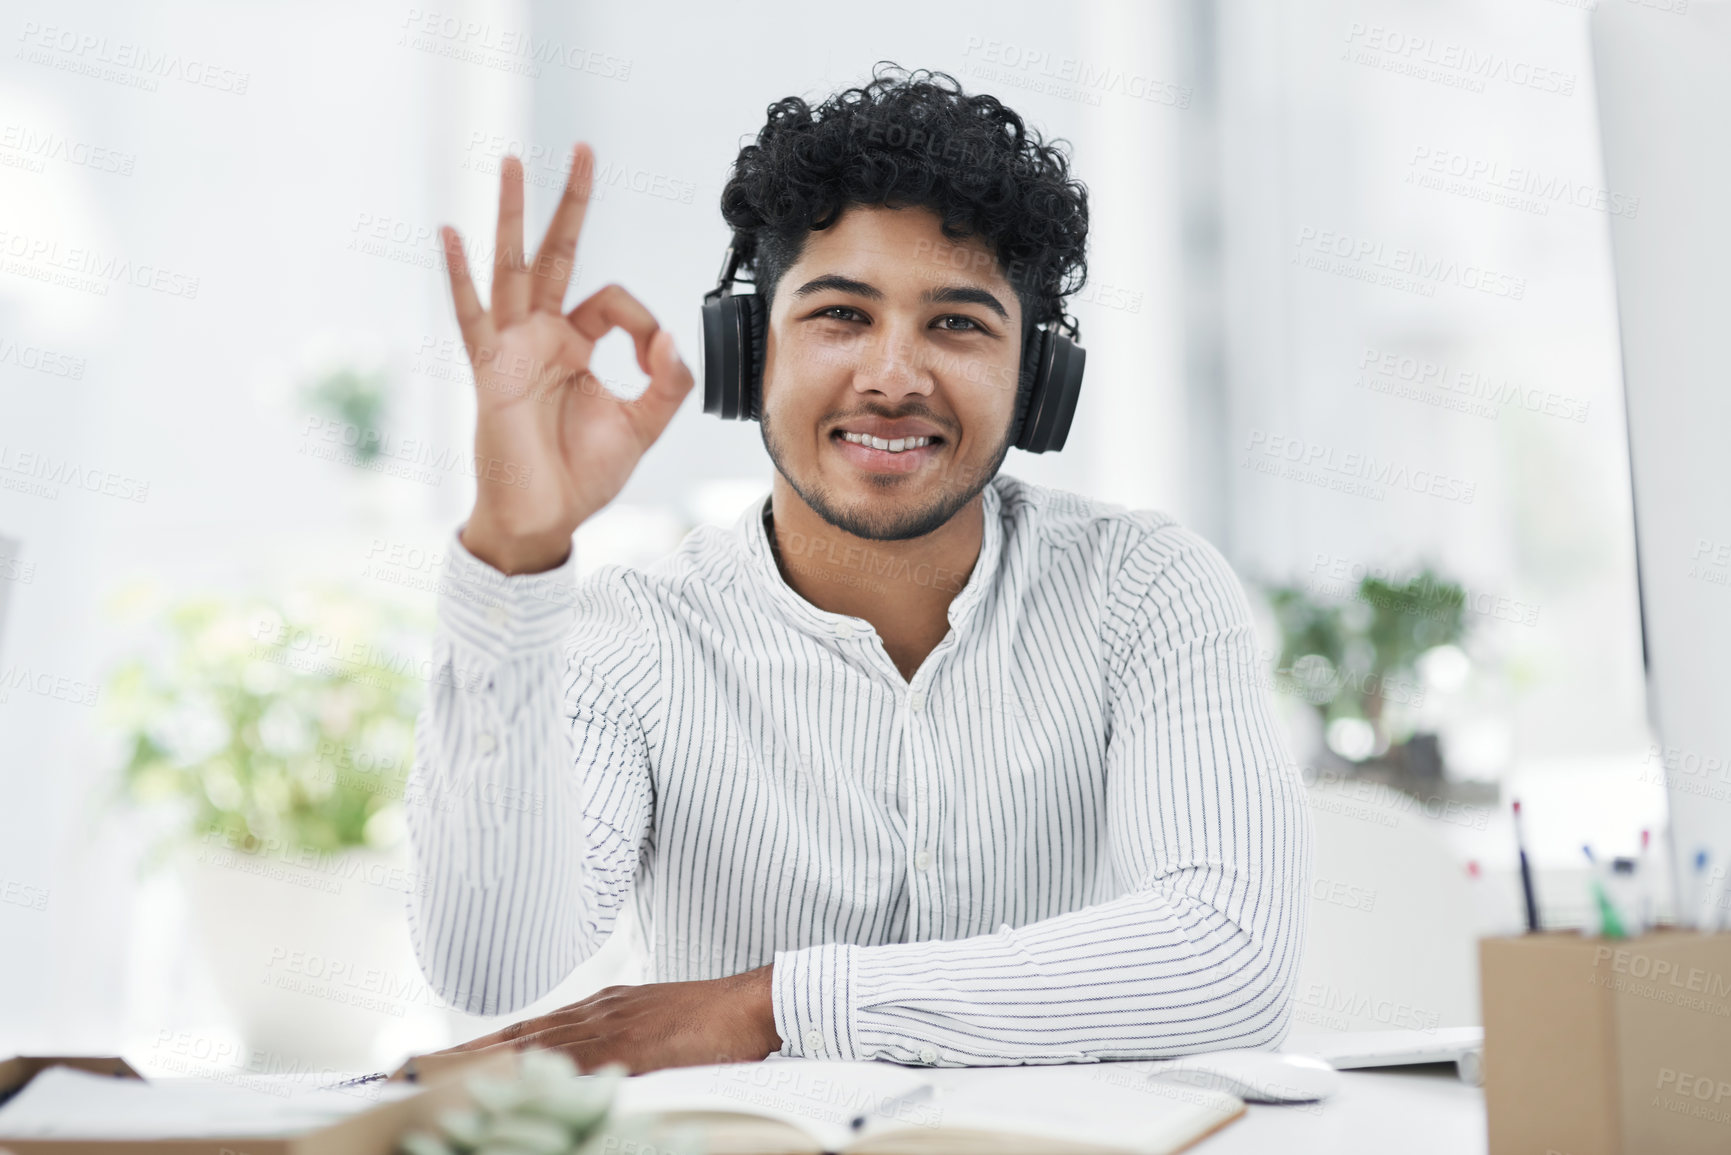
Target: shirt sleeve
(530, 794)
(1209, 837)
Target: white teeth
(895, 446)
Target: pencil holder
(1598, 1046)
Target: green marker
(1610, 922)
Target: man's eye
(835, 309)
(971, 324)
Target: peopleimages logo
(1068, 76)
(41, 360)
(87, 269)
(480, 42)
(1362, 258)
(1512, 186)
(22, 146)
(1339, 577)
(1463, 389)
(40, 474)
(1361, 474)
(122, 61)
(1444, 62)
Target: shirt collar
(751, 531)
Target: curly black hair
(914, 139)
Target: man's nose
(892, 363)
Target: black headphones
(733, 351)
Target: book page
(1101, 1106)
(820, 1097)
(63, 1103)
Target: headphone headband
(724, 279)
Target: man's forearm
(657, 1025)
(1147, 975)
(519, 878)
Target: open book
(807, 1106)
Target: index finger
(551, 273)
(612, 307)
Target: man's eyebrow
(840, 284)
(966, 295)
(948, 294)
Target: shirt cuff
(810, 992)
(501, 614)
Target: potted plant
(271, 742)
(1365, 662)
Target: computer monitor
(1664, 105)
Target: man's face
(884, 328)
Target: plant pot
(309, 952)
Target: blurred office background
(1350, 311)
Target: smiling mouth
(887, 444)
(884, 456)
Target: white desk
(1414, 1110)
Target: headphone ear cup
(1028, 383)
(756, 325)
(1052, 398)
(720, 359)
(1066, 383)
(733, 340)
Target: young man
(917, 761)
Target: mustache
(886, 414)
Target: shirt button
(923, 860)
(917, 701)
(844, 629)
(928, 1056)
(485, 743)
(814, 1040)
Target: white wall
(1332, 118)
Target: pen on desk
(1526, 873)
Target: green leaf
(540, 1136)
(422, 1143)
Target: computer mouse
(1254, 1076)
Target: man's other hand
(656, 1025)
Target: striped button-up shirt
(1074, 835)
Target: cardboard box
(373, 1131)
(1607, 1046)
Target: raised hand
(552, 445)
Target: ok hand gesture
(552, 445)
